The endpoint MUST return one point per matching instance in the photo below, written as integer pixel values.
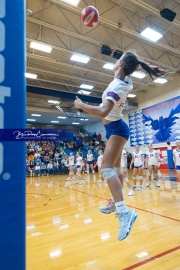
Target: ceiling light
(49, 125)
(151, 34)
(131, 95)
(86, 119)
(138, 74)
(72, 2)
(32, 120)
(80, 58)
(74, 123)
(84, 92)
(109, 66)
(62, 117)
(36, 115)
(86, 86)
(40, 46)
(54, 121)
(82, 119)
(30, 75)
(53, 101)
(160, 80)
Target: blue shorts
(119, 128)
(137, 167)
(178, 168)
(89, 162)
(78, 166)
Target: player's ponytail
(150, 70)
(131, 62)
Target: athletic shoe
(109, 208)
(99, 181)
(68, 179)
(134, 187)
(126, 220)
(139, 188)
(88, 177)
(80, 182)
(130, 193)
(157, 184)
(148, 184)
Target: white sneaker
(99, 181)
(80, 182)
(130, 193)
(139, 188)
(109, 208)
(157, 184)
(148, 184)
(126, 220)
(134, 187)
(68, 179)
(88, 177)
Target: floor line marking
(148, 260)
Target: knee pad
(141, 177)
(134, 178)
(149, 174)
(126, 180)
(118, 170)
(107, 173)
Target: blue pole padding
(12, 115)
(170, 159)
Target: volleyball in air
(90, 16)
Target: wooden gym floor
(66, 231)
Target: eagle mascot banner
(156, 124)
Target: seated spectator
(50, 168)
(43, 168)
(99, 136)
(56, 155)
(38, 160)
(37, 154)
(38, 169)
(46, 158)
(55, 167)
(31, 157)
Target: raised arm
(99, 111)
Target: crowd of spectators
(48, 158)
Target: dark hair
(132, 61)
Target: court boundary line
(127, 205)
(107, 200)
(148, 260)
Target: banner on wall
(156, 124)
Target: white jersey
(99, 161)
(123, 158)
(71, 161)
(176, 154)
(117, 92)
(138, 158)
(79, 161)
(152, 157)
(90, 157)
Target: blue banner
(156, 124)
(12, 115)
(31, 134)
